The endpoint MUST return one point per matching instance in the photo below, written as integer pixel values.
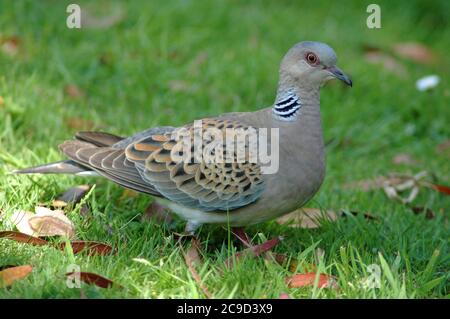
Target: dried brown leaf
(396, 184)
(10, 275)
(92, 279)
(49, 222)
(20, 219)
(10, 45)
(308, 279)
(388, 62)
(415, 51)
(253, 251)
(71, 196)
(240, 234)
(404, 159)
(284, 295)
(23, 238)
(92, 248)
(441, 188)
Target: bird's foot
(189, 231)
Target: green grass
(224, 56)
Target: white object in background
(427, 82)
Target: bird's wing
(195, 182)
(104, 153)
(145, 163)
(108, 162)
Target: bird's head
(311, 64)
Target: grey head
(309, 65)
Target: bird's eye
(312, 59)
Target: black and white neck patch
(287, 108)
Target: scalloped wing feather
(208, 186)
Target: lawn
(143, 64)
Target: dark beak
(337, 73)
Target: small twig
(193, 272)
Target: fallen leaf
(441, 188)
(308, 279)
(396, 184)
(158, 213)
(92, 279)
(2, 101)
(10, 275)
(388, 62)
(49, 222)
(253, 251)
(91, 247)
(284, 295)
(71, 196)
(74, 91)
(20, 218)
(415, 51)
(10, 45)
(242, 236)
(306, 217)
(370, 48)
(404, 159)
(23, 238)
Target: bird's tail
(61, 167)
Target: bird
(231, 186)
